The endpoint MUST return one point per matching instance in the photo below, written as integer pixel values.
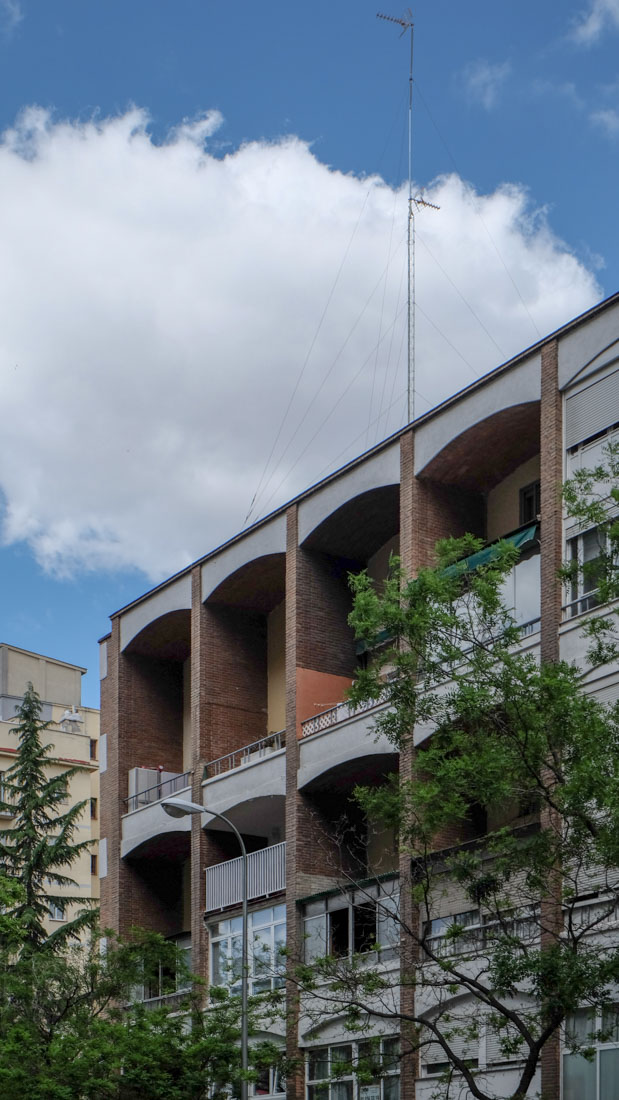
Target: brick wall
(235, 695)
(551, 475)
(325, 641)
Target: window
(332, 1071)
(266, 939)
(165, 980)
(56, 911)
(463, 933)
(6, 796)
(270, 1082)
(345, 925)
(597, 1079)
(93, 749)
(584, 552)
(93, 864)
(456, 934)
(529, 503)
(93, 809)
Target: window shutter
(592, 410)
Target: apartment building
(227, 684)
(74, 734)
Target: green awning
(519, 539)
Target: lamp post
(179, 807)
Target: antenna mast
(407, 25)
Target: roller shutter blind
(592, 410)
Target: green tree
(511, 806)
(71, 1029)
(40, 847)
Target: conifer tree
(39, 849)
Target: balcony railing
(160, 785)
(246, 755)
(332, 717)
(266, 875)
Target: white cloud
(483, 81)
(607, 118)
(157, 303)
(10, 15)
(591, 24)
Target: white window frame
(600, 1048)
(225, 941)
(57, 912)
(582, 599)
(318, 922)
(336, 1087)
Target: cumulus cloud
(10, 15)
(158, 303)
(607, 118)
(483, 81)
(597, 18)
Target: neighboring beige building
(74, 733)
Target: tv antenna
(406, 23)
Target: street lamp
(180, 807)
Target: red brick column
(410, 537)
(295, 1086)
(199, 747)
(551, 476)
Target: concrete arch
(510, 436)
(257, 585)
(263, 779)
(265, 541)
(345, 755)
(259, 816)
(166, 638)
(173, 597)
(359, 526)
(380, 471)
(151, 834)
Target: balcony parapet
(161, 784)
(266, 875)
(334, 715)
(248, 754)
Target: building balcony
(248, 754)
(341, 712)
(144, 817)
(253, 775)
(266, 875)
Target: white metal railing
(166, 783)
(266, 874)
(339, 713)
(245, 755)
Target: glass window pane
(315, 937)
(318, 1064)
(338, 933)
(220, 971)
(610, 1024)
(391, 1088)
(578, 1078)
(341, 1090)
(341, 1056)
(262, 917)
(279, 912)
(364, 927)
(609, 1074)
(318, 1092)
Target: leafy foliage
(69, 1032)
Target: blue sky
(206, 212)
